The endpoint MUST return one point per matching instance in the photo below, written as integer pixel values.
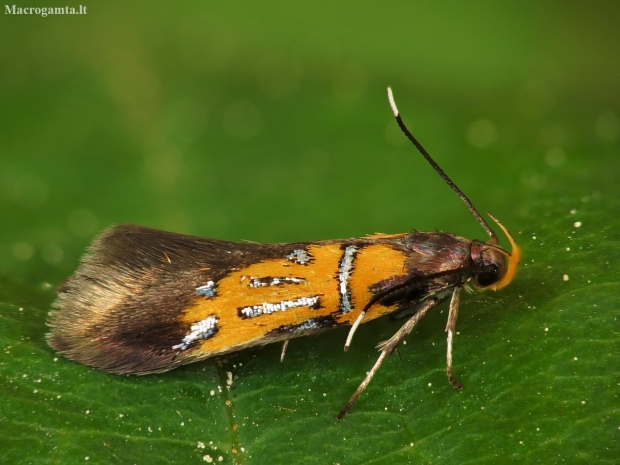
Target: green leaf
(272, 125)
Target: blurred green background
(268, 121)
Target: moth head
(501, 265)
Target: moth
(146, 301)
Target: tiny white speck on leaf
(577, 224)
(565, 277)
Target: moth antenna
(441, 173)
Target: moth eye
(488, 277)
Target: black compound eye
(488, 277)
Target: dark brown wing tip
(118, 311)
(91, 340)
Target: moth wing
(119, 311)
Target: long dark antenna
(436, 167)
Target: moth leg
(284, 347)
(357, 322)
(398, 290)
(452, 315)
(387, 348)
